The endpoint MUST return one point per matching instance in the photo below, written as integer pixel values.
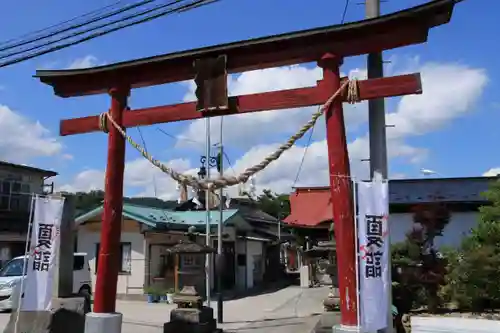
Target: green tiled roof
(154, 217)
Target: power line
(177, 138)
(229, 162)
(303, 157)
(146, 149)
(345, 11)
(155, 190)
(197, 142)
(91, 13)
(183, 8)
(132, 16)
(76, 26)
(342, 20)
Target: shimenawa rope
(212, 184)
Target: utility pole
(376, 107)
(220, 305)
(207, 208)
(377, 134)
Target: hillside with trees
(276, 205)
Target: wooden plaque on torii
(326, 46)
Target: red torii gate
(327, 46)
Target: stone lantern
(190, 315)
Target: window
(4, 194)
(25, 188)
(14, 267)
(5, 189)
(192, 260)
(125, 259)
(15, 202)
(78, 263)
(242, 259)
(4, 202)
(14, 194)
(167, 264)
(16, 187)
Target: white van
(11, 276)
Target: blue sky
(460, 143)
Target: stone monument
(68, 310)
(190, 316)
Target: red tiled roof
(310, 207)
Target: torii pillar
(340, 187)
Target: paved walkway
(291, 310)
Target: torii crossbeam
(325, 46)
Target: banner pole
(356, 240)
(25, 261)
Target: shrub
(472, 281)
(419, 270)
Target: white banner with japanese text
(44, 245)
(373, 231)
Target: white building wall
(459, 226)
(253, 249)
(35, 180)
(132, 283)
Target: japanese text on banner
(374, 246)
(40, 273)
(374, 254)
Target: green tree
(491, 212)
(86, 201)
(474, 269)
(277, 205)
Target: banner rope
(352, 97)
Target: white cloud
(85, 181)
(493, 172)
(85, 62)
(450, 91)
(139, 174)
(151, 181)
(281, 174)
(247, 130)
(22, 139)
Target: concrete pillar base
(103, 322)
(341, 329)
